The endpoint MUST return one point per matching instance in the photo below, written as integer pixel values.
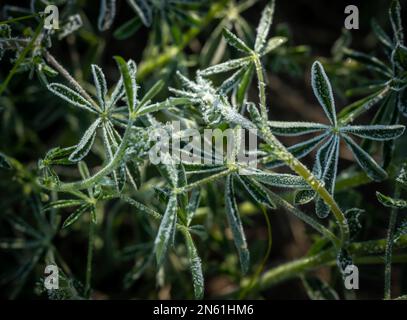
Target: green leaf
(143, 9)
(304, 196)
(225, 66)
(281, 180)
(4, 163)
(107, 14)
(193, 205)
(73, 217)
(170, 102)
(287, 128)
(370, 62)
(381, 35)
(100, 83)
(231, 82)
(399, 57)
(150, 94)
(129, 81)
(318, 289)
(244, 84)
(195, 266)
(84, 146)
(235, 224)
(375, 132)
(127, 29)
(235, 42)
(256, 191)
(274, 43)
(62, 204)
(391, 202)
(166, 230)
(71, 96)
(368, 164)
(395, 19)
(264, 27)
(353, 218)
(323, 91)
(401, 230)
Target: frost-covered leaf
(318, 289)
(287, 128)
(73, 217)
(100, 83)
(225, 66)
(166, 230)
(329, 171)
(84, 146)
(231, 82)
(235, 224)
(395, 19)
(143, 9)
(235, 42)
(193, 205)
(281, 180)
(195, 265)
(274, 43)
(129, 81)
(391, 202)
(107, 13)
(375, 132)
(152, 92)
(58, 204)
(369, 61)
(120, 178)
(264, 27)
(71, 96)
(304, 196)
(368, 164)
(323, 91)
(257, 192)
(402, 177)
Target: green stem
(155, 62)
(389, 247)
(19, 19)
(21, 57)
(294, 269)
(89, 260)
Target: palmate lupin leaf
(107, 13)
(235, 224)
(326, 163)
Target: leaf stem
(89, 260)
(389, 247)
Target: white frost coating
(375, 132)
(295, 128)
(166, 229)
(84, 145)
(107, 14)
(100, 84)
(264, 27)
(143, 10)
(235, 42)
(71, 96)
(323, 91)
(225, 66)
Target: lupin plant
(106, 183)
